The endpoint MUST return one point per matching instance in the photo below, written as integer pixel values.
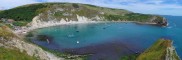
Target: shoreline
(37, 23)
(24, 30)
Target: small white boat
(77, 42)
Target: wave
(170, 27)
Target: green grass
(106, 10)
(24, 14)
(6, 33)
(20, 23)
(130, 17)
(129, 57)
(14, 54)
(156, 52)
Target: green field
(14, 54)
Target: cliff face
(38, 22)
(161, 50)
(161, 21)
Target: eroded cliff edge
(161, 50)
(10, 40)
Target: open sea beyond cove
(109, 41)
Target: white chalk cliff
(37, 22)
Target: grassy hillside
(6, 33)
(158, 51)
(25, 14)
(14, 54)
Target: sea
(109, 40)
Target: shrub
(75, 5)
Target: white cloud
(147, 6)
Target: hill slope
(69, 11)
(14, 54)
(161, 50)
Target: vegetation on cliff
(22, 13)
(6, 33)
(8, 52)
(14, 54)
(26, 13)
(158, 51)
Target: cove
(109, 40)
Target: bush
(75, 5)
(19, 23)
(23, 13)
(14, 54)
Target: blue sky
(162, 7)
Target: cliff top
(160, 50)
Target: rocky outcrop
(161, 21)
(171, 53)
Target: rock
(161, 21)
(44, 37)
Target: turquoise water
(109, 40)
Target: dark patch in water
(43, 40)
(77, 31)
(51, 45)
(44, 37)
(106, 51)
(112, 50)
